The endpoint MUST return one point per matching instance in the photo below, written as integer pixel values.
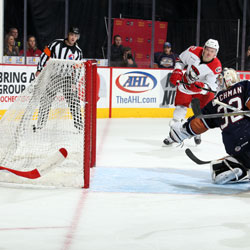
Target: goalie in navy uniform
(235, 129)
(61, 49)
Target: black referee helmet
(74, 30)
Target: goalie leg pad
(178, 132)
(168, 141)
(228, 170)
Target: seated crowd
(120, 56)
(13, 46)
(123, 56)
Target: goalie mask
(227, 78)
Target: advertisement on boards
(13, 81)
(135, 88)
(122, 92)
(103, 86)
(168, 92)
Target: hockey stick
(216, 101)
(191, 156)
(199, 87)
(52, 162)
(195, 104)
(33, 174)
(240, 112)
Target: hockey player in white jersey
(202, 68)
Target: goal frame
(90, 119)
(48, 134)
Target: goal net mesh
(47, 116)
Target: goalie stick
(52, 162)
(216, 101)
(191, 156)
(240, 112)
(195, 104)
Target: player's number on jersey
(236, 102)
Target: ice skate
(168, 141)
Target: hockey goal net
(57, 110)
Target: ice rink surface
(142, 197)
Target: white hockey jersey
(208, 72)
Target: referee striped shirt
(60, 50)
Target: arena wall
(123, 92)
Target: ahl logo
(136, 82)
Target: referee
(66, 49)
(62, 49)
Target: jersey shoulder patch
(196, 50)
(215, 66)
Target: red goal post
(90, 119)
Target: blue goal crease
(160, 180)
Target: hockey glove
(176, 76)
(178, 132)
(196, 87)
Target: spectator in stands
(116, 52)
(247, 59)
(10, 49)
(128, 60)
(14, 32)
(165, 59)
(32, 49)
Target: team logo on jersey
(71, 57)
(196, 71)
(136, 82)
(218, 69)
(193, 47)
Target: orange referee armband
(47, 51)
